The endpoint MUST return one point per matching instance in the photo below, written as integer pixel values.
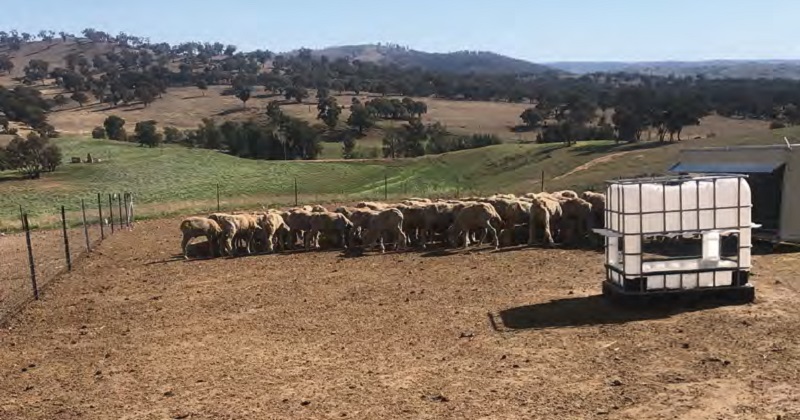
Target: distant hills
(712, 69)
(484, 62)
(455, 62)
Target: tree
(532, 118)
(243, 93)
(114, 126)
(360, 118)
(99, 133)
(36, 70)
(173, 135)
(80, 97)
(51, 157)
(296, 92)
(229, 50)
(146, 134)
(329, 111)
(60, 100)
(6, 65)
(32, 156)
(348, 145)
(323, 93)
(146, 93)
(202, 85)
(392, 144)
(208, 135)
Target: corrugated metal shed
(726, 167)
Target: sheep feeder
(650, 221)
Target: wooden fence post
(66, 239)
(542, 181)
(85, 228)
(31, 264)
(111, 212)
(119, 215)
(100, 213)
(127, 216)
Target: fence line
(50, 253)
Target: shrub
(775, 125)
(172, 135)
(99, 133)
(114, 126)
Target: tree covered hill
(711, 69)
(462, 62)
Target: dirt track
(133, 333)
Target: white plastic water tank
(694, 205)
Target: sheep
(437, 219)
(244, 226)
(513, 212)
(475, 216)
(193, 227)
(271, 223)
(545, 215)
(413, 220)
(389, 221)
(565, 194)
(371, 205)
(576, 220)
(598, 202)
(329, 222)
(299, 222)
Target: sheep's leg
(185, 246)
(493, 231)
(249, 242)
(269, 238)
(382, 246)
(401, 240)
(531, 233)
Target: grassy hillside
(176, 180)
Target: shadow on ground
(588, 311)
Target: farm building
(773, 174)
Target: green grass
(178, 180)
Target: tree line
(564, 108)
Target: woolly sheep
(329, 223)
(472, 217)
(271, 224)
(386, 222)
(193, 227)
(545, 215)
(598, 202)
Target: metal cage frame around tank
(638, 285)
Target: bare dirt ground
(134, 333)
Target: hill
(462, 62)
(712, 69)
(178, 180)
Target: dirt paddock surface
(134, 333)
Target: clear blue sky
(536, 30)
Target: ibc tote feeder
(709, 207)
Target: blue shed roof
(726, 168)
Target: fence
(33, 258)
(293, 193)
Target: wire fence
(34, 257)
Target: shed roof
(726, 167)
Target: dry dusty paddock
(132, 333)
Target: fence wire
(34, 257)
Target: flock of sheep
(544, 218)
